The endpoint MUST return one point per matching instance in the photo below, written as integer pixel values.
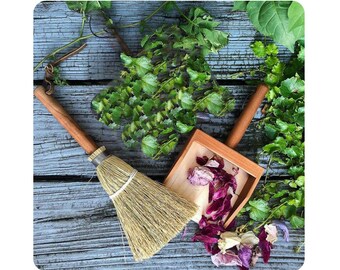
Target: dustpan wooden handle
(246, 116)
(54, 107)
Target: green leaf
(127, 60)
(196, 76)
(296, 18)
(290, 210)
(143, 65)
(183, 128)
(292, 86)
(240, 6)
(300, 181)
(214, 103)
(187, 101)
(258, 49)
(149, 145)
(169, 146)
(259, 210)
(271, 19)
(147, 106)
(297, 222)
(271, 49)
(271, 131)
(149, 83)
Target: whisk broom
(150, 214)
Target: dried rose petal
(220, 193)
(202, 160)
(200, 176)
(223, 209)
(264, 245)
(212, 229)
(255, 256)
(283, 228)
(212, 163)
(203, 222)
(245, 254)
(249, 239)
(211, 191)
(271, 231)
(219, 160)
(228, 240)
(232, 182)
(227, 259)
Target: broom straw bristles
(150, 214)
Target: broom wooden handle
(63, 117)
(246, 116)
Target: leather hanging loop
(48, 83)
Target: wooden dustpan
(200, 144)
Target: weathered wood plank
(75, 227)
(55, 25)
(56, 153)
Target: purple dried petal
(202, 160)
(200, 176)
(227, 259)
(205, 239)
(223, 209)
(203, 222)
(211, 190)
(212, 229)
(232, 182)
(220, 193)
(219, 160)
(245, 254)
(212, 248)
(264, 245)
(216, 205)
(283, 228)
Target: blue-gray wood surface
(75, 225)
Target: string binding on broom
(97, 157)
(132, 175)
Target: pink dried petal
(219, 160)
(227, 259)
(203, 222)
(212, 164)
(200, 176)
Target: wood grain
(75, 223)
(55, 26)
(76, 227)
(56, 153)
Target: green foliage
(88, 6)
(283, 21)
(162, 88)
(283, 124)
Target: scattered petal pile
(229, 248)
